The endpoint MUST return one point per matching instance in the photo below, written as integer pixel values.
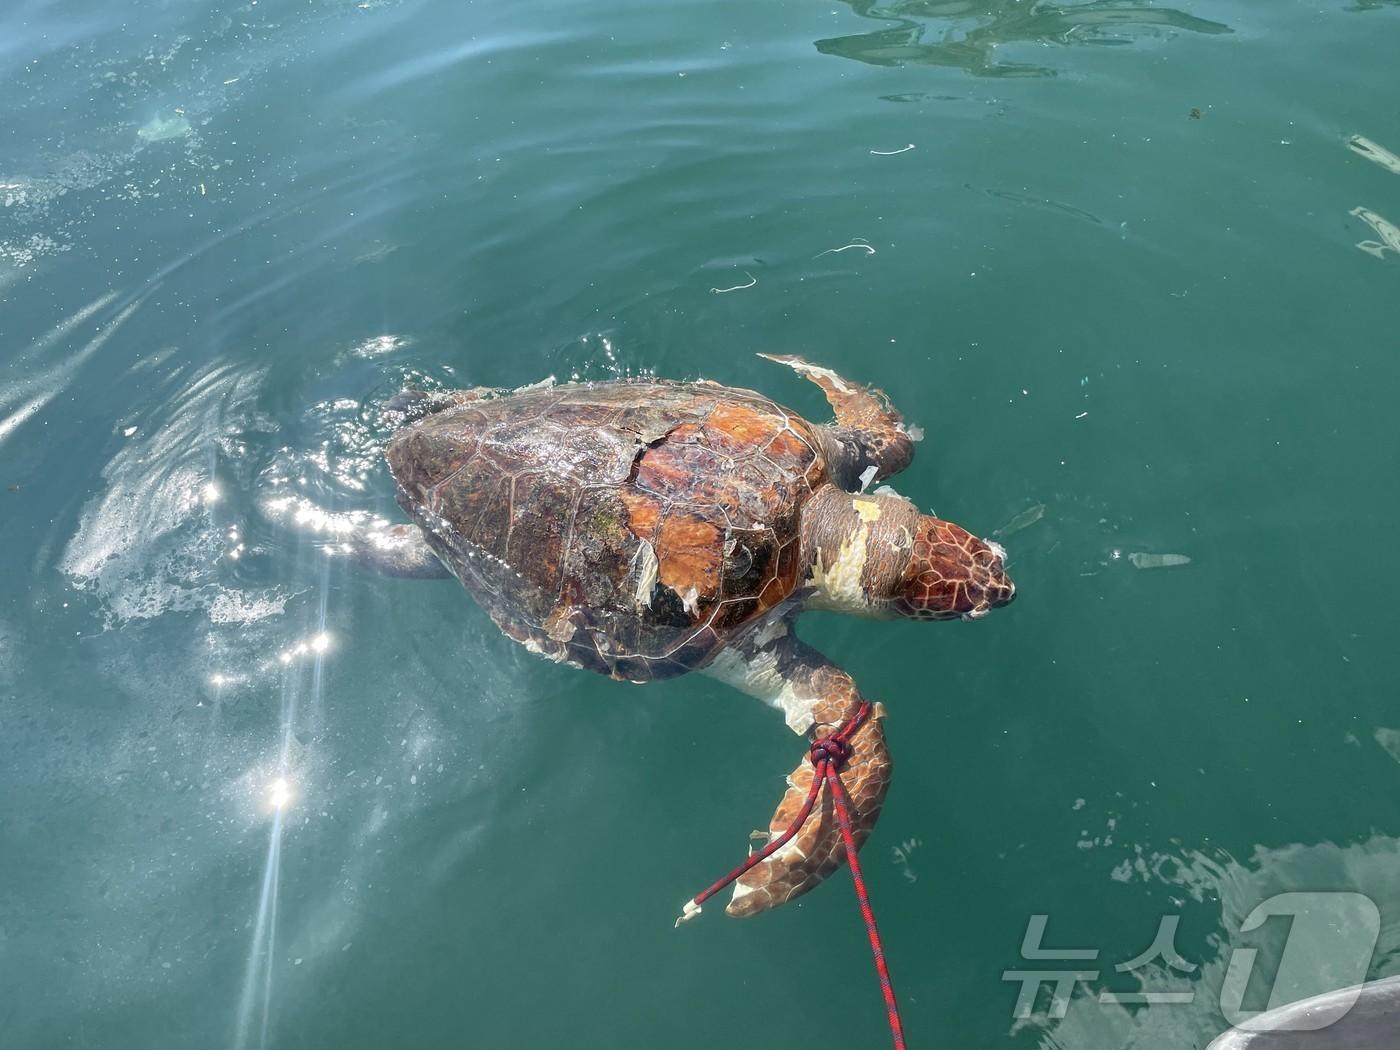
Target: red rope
(828, 755)
(838, 794)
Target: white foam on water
(241, 607)
(380, 345)
(146, 544)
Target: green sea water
(1133, 267)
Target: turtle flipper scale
(817, 697)
(869, 432)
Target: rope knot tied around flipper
(831, 748)
(828, 755)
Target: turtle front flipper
(816, 698)
(870, 439)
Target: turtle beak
(997, 588)
(1005, 595)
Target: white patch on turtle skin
(996, 548)
(807, 369)
(740, 890)
(837, 581)
(770, 631)
(868, 509)
(915, 432)
(867, 476)
(757, 674)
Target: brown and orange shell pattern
(626, 527)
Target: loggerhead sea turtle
(646, 528)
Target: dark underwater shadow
(964, 34)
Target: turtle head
(951, 574)
(876, 555)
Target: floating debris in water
(892, 152)
(1157, 561)
(1195, 113)
(160, 129)
(1390, 740)
(901, 857)
(1023, 520)
(376, 251)
(738, 287)
(1388, 232)
(1373, 151)
(846, 247)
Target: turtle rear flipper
(869, 432)
(413, 404)
(399, 550)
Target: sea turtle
(645, 528)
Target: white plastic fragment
(1388, 232)
(688, 911)
(847, 247)
(1373, 151)
(1023, 520)
(645, 564)
(1142, 560)
(738, 287)
(159, 129)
